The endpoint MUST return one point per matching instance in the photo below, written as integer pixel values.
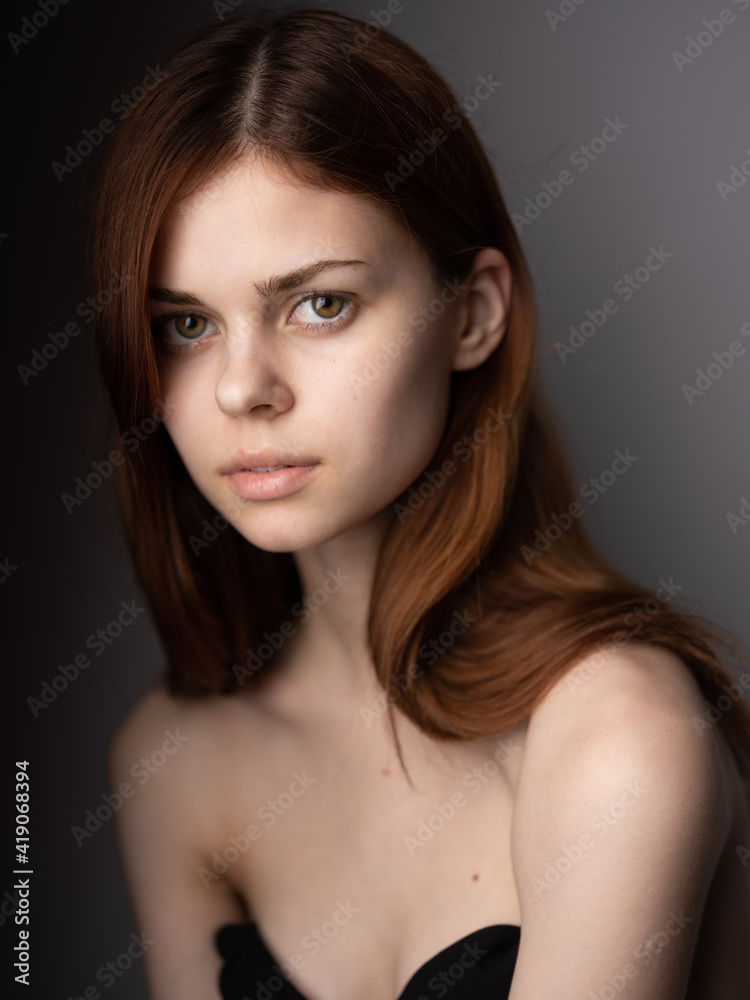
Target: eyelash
(161, 321)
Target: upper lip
(242, 459)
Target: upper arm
(619, 821)
(159, 751)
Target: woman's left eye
(329, 308)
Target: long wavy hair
(346, 106)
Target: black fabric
(477, 967)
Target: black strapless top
(477, 967)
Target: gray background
(655, 185)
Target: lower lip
(271, 485)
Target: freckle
(386, 771)
(474, 878)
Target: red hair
(313, 94)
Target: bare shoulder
(634, 670)
(638, 702)
(627, 710)
(623, 808)
(171, 749)
(153, 710)
(164, 760)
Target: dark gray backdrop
(680, 127)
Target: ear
(485, 305)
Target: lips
(272, 485)
(262, 461)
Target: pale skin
(618, 752)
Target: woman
(358, 538)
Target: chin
(285, 537)
(278, 531)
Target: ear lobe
(484, 317)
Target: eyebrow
(266, 289)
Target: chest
(361, 877)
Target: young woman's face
(337, 373)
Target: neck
(330, 656)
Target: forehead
(254, 211)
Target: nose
(251, 375)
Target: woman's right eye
(180, 331)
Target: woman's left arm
(621, 814)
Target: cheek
(175, 392)
(191, 407)
(196, 454)
(397, 420)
